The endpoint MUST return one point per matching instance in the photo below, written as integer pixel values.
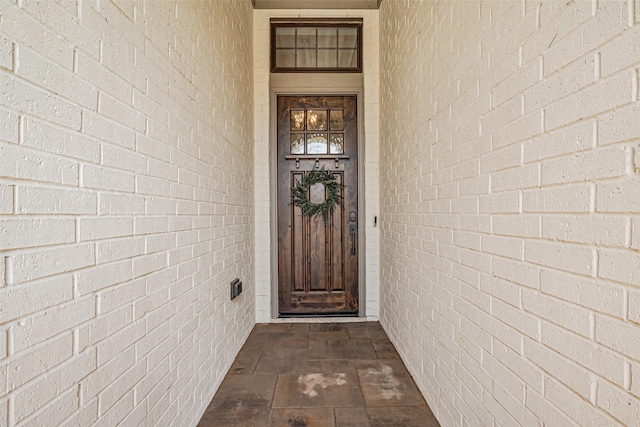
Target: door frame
(322, 84)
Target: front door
(317, 258)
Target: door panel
(317, 267)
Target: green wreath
(300, 194)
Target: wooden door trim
(297, 90)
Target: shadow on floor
(318, 375)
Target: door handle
(353, 229)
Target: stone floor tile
(402, 416)
(301, 417)
(366, 330)
(311, 390)
(330, 366)
(341, 349)
(386, 382)
(283, 361)
(240, 401)
(351, 417)
(384, 349)
(333, 375)
(245, 363)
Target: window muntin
(316, 46)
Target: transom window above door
(316, 46)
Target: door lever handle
(353, 229)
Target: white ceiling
(316, 4)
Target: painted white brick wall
(263, 180)
(510, 193)
(126, 208)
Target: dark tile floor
(318, 375)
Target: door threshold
(321, 319)
(313, 316)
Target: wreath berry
(300, 193)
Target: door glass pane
(327, 58)
(336, 120)
(328, 37)
(317, 143)
(285, 58)
(347, 58)
(297, 119)
(347, 38)
(307, 38)
(337, 143)
(306, 58)
(285, 37)
(316, 119)
(297, 143)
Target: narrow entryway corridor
(320, 374)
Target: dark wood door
(317, 259)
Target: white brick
(547, 412)
(35, 329)
(107, 179)
(104, 228)
(577, 407)
(122, 385)
(618, 195)
(44, 136)
(517, 272)
(591, 165)
(149, 263)
(30, 99)
(575, 259)
(37, 166)
(6, 53)
(618, 125)
(565, 199)
(103, 276)
(23, 233)
(597, 230)
(516, 225)
(40, 392)
(104, 129)
(515, 179)
(61, 408)
(86, 416)
(106, 373)
(120, 158)
(590, 293)
(26, 299)
(623, 337)
(559, 368)
(42, 200)
(121, 204)
(34, 265)
(620, 266)
(505, 158)
(606, 94)
(621, 404)
(109, 348)
(22, 28)
(585, 352)
(4, 412)
(634, 306)
(56, 79)
(557, 311)
(39, 360)
(569, 140)
(114, 250)
(508, 202)
(8, 126)
(6, 199)
(121, 113)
